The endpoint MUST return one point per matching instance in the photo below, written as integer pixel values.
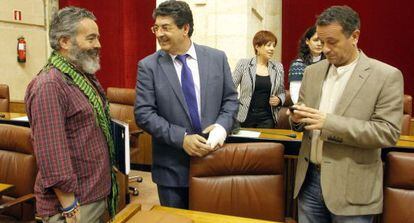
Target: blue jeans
(312, 208)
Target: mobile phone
(291, 109)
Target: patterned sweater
(296, 70)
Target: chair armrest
(16, 201)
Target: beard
(86, 60)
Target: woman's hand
(274, 100)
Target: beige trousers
(89, 213)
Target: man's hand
(295, 117)
(274, 100)
(76, 218)
(195, 145)
(313, 118)
(66, 199)
(217, 135)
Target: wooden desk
(125, 214)
(8, 118)
(204, 217)
(5, 187)
(292, 145)
(406, 142)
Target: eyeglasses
(162, 28)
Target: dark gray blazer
(161, 110)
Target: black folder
(120, 135)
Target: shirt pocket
(362, 186)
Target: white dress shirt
(218, 134)
(332, 90)
(193, 65)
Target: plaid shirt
(70, 148)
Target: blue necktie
(187, 85)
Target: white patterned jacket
(245, 76)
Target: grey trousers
(89, 213)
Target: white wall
(230, 25)
(32, 27)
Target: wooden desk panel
(406, 142)
(7, 118)
(11, 115)
(128, 212)
(204, 217)
(5, 187)
(292, 145)
(279, 135)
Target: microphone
(293, 135)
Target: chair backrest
(240, 179)
(407, 115)
(399, 188)
(4, 98)
(17, 164)
(17, 161)
(283, 119)
(122, 105)
(121, 102)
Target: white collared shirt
(333, 87)
(193, 65)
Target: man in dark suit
(182, 89)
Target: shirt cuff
(221, 129)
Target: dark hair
(344, 15)
(262, 37)
(179, 11)
(304, 52)
(65, 23)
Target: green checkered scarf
(101, 114)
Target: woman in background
(310, 51)
(261, 84)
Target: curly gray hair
(65, 23)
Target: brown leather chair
(283, 119)
(240, 179)
(399, 188)
(4, 98)
(17, 167)
(407, 115)
(122, 108)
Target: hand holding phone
(291, 109)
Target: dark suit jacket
(161, 110)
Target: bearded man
(70, 122)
